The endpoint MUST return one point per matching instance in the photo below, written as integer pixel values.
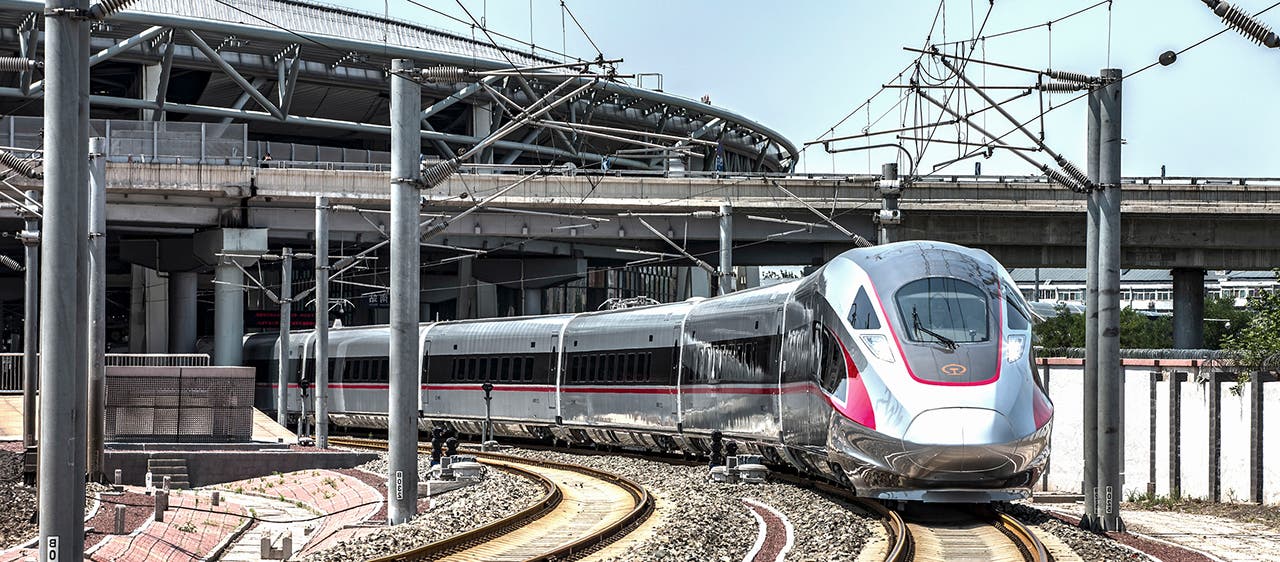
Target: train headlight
(879, 347)
(1015, 346)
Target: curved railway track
(946, 533)
(932, 532)
(582, 510)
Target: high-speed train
(903, 371)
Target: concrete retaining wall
(215, 467)
(1189, 429)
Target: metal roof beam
(234, 75)
(247, 115)
(162, 89)
(105, 54)
(457, 96)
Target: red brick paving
(193, 527)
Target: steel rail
(644, 505)
(901, 545)
(1026, 540)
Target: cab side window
(863, 316)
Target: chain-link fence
(11, 364)
(178, 404)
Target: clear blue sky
(800, 66)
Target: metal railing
(11, 364)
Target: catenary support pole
(322, 322)
(727, 277)
(30, 323)
(286, 319)
(402, 433)
(61, 503)
(97, 324)
(1090, 483)
(1110, 376)
(82, 264)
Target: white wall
(1067, 457)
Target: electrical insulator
(1071, 76)
(1063, 179)
(437, 174)
(1073, 171)
(1062, 87)
(17, 64)
(1243, 22)
(105, 8)
(445, 74)
(11, 263)
(24, 167)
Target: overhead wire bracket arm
(1050, 172)
(1067, 166)
(702, 264)
(860, 241)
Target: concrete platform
(265, 429)
(10, 417)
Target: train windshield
(943, 310)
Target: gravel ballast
(499, 495)
(1088, 545)
(709, 521)
(18, 502)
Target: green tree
(1139, 331)
(1222, 321)
(1259, 341)
(1061, 331)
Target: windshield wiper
(945, 341)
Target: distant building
(1140, 289)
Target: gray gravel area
(18, 502)
(709, 522)
(1090, 546)
(499, 495)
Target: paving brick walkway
(193, 528)
(325, 492)
(1226, 539)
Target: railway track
(582, 510)
(929, 533)
(969, 533)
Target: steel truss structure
(304, 72)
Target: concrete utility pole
(727, 277)
(62, 373)
(286, 319)
(31, 321)
(1090, 483)
(322, 322)
(97, 324)
(1110, 376)
(402, 422)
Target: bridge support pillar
(1188, 308)
(466, 290)
(532, 302)
(182, 312)
(227, 247)
(482, 126)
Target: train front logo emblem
(953, 369)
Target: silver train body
(903, 371)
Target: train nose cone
(961, 440)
